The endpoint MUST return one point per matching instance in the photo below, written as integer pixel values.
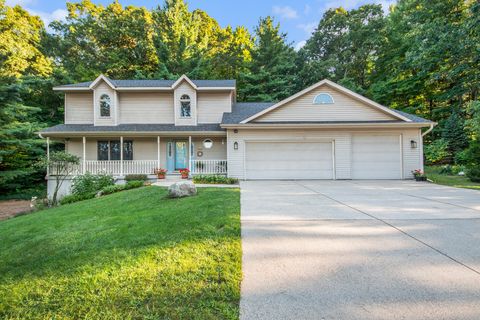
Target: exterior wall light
(235, 130)
(235, 145)
(413, 144)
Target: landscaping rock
(182, 189)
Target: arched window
(104, 105)
(185, 110)
(323, 98)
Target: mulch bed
(12, 208)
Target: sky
(297, 18)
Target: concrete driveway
(359, 250)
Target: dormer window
(185, 111)
(323, 98)
(104, 105)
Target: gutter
(327, 125)
(429, 129)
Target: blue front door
(181, 155)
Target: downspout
(429, 129)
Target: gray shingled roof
(155, 83)
(130, 128)
(242, 111)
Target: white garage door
(289, 160)
(376, 157)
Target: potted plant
(160, 173)
(184, 173)
(419, 175)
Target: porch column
(190, 153)
(158, 152)
(48, 156)
(121, 155)
(84, 165)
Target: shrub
(132, 177)
(77, 197)
(214, 179)
(113, 189)
(89, 183)
(446, 169)
(473, 174)
(436, 151)
(134, 184)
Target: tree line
(422, 57)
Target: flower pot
(160, 176)
(185, 176)
(420, 178)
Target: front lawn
(433, 173)
(130, 255)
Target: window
(104, 105)
(185, 106)
(323, 98)
(110, 150)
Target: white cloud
(307, 27)
(351, 4)
(47, 17)
(285, 12)
(299, 45)
(307, 9)
(12, 3)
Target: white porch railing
(113, 167)
(209, 167)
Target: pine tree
(272, 72)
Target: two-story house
(323, 132)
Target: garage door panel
(376, 157)
(289, 160)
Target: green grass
(130, 255)
(433, 173)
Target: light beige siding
(211, 106)
(344, 108)
(78, 108)
(217, 152)
(146, 107)
(412, 158)
(343, 147)
(185, 88)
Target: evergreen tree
(272, 72)
(453, 132)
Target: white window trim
(109, 106)
(323, 93)
(189, 100)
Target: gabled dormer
(185, 102)
(105, 102)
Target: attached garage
(325, 131)
(376, 157)
(289, 160)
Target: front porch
(125, 155)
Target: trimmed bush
(134, 177)
(88, 183)
(214, 179)
(77, 197)
(113, 189)
(133, 184)
(473, 174)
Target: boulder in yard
(182, 189)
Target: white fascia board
(99, 78)
(183, 77)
